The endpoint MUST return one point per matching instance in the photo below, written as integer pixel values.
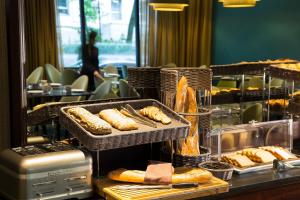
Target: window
(68, 32)
(116, 39)
(63, 6)
(116, 6)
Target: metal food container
(47, 171)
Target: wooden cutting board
(105, 188)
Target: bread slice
(279, 152)
(238, 160)
(258, 155)
(156, 114)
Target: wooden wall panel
(4, 96)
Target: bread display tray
(262, 166)
(178, 128)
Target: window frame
(84, 27)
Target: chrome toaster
(46, 171)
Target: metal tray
(260, 167)
(178, 128)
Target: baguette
(181, 175)
(89, 121)
(118, 120)
(181, 95)
(190, 146)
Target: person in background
(91, 61)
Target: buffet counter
(262, 185)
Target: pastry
(279, 152)
(118, 120)
(181, 175)
(156, 114)
(238, 160)
(89, 121)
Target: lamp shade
(238, 3)
(168, 5)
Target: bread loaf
(181, 175)
(89, 121)
(118, 120)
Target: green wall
(270, 30)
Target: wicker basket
(51, 110)
(144, 77)
(118, 139)
(198, 79)
(191, 161)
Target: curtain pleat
(40, 34)
(183, 38)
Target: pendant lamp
(168, 5)
(238, 3)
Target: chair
(35, 76)
(255, 82)
(53, 75)
(98, 81)
(126, 90)
(101, 91)
(253, 112)
(80, 83)
(276, 83)
(68, 76)
(124, 72)
(226, 84)
(170, 65)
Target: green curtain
(183, 38)
(40, 34)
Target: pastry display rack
(290, 77)
(233, 139)
(249, 68)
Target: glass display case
(252, 135)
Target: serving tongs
(279, 165)
(170, 186)
(132, 113)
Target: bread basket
(191, 161)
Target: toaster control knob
(40, 195)
(69, 189)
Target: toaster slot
(75, 178)
(43, 183)
(43, 194)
